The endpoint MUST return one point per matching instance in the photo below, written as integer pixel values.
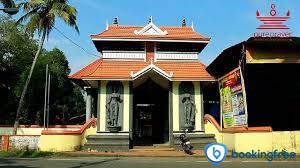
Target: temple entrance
(150, 114)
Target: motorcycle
(186, 143)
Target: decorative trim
(149, 68)
(92, 122)
(140, 55)
(176, 55)
(211, 119)
(151, 25)
(38, 126)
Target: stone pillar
(199, 108)
(202, 107)
(175, 102)
(88, 107)
(130, 112)
(98, 105)
(171, 137)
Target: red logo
(273, 21)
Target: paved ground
(151, 153)
(140, 162)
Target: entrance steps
(199, 141)
(107, 143)
(121, 143)
(158, 147)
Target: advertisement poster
(233, 103)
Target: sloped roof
(128, 32)
(122, 70)
(230, 58)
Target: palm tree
(40, 16)
(9, 7)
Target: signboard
(233, 100)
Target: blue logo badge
(215, 152)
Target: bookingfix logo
(268, 155)
(215, 152)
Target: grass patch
(29, 154)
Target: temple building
(147, 86)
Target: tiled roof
(122, 70)
(127, 32)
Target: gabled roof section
(130, 70)
(150, 32)
(150, 29)
(149, 68)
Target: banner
(233, 102)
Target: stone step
(121, 143)
(96, 137)
(107, 143)
(151, 149)
(198, 135)
(198, 141)
(155, 146)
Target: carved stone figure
(112, 109)
(189, 110)
(187, 106)
(114, 106)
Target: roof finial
(150, 19)
(115, 21)
(107, 25)
(193, 26)
(183, 23)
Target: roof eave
(204, 40)
(132, 79)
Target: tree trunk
(21, 101)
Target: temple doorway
(150, 114)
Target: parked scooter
(186, 143)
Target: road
(139, 162)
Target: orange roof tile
(121, 70)
(188, 70)
(127, 32)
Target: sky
(225, 22)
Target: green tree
(17, 51)
(66, 99)
(9, 7)
(40, 17)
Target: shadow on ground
(86, 164)
(7, 163)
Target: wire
(83, 49)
